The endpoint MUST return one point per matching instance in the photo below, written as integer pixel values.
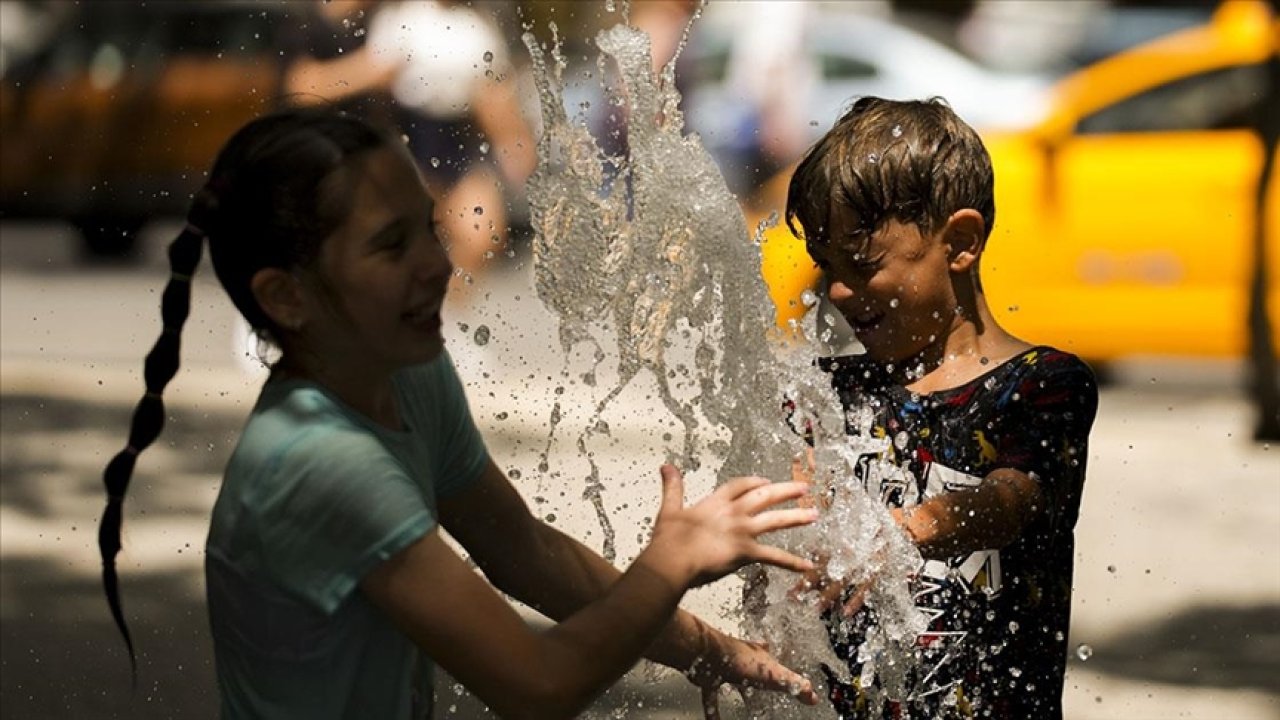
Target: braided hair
(272, 198)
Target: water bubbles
(488, 56)
(897, 131)
(481, 336)
(435, 162)
(1084, 652)
(477, 210)
(873, 158)
(1111, 569)
(809, 298)
(894, 303)
(484, 148)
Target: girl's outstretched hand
(743, 664)
(717, 535)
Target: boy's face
(893, 285)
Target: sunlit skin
(914, 300)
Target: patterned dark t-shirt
(996, 642)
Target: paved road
(1178, 587)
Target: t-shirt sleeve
(1057, 401)
(337, 505)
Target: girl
(331, 589)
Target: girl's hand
(743, 664)
(717, 535)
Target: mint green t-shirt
(315, 496)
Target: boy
(974, 439)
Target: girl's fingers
(672, 490)
(734, 488)
(767, 522)
(771, 494)
(711, 703)
(770, 555)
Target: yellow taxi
(1125, 220)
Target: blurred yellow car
(1125, 219)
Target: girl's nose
(431, 262)
(838, 291)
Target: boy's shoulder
(1044, 366)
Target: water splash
(647, 260)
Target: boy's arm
(1043, 467)
(989, 516)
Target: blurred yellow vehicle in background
(1125, 220)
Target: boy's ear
(965, 234)
(280, 295)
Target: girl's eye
(395, 244)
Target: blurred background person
(439, 71)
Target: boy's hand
(830, 591)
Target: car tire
(109, 238)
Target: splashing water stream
(647, 259)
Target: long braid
(148, 417)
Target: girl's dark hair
(914, 161)
(272, 198)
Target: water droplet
(435, 162)
(477, 210)
(513, 473)
(484, 148)
(894, 303)
(1111, 568)
(873, 158)
(1084, 652)
(809, 298)
(481, 335)
(488, 56)
(897, 131)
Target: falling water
(647, 262)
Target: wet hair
(914, 161)
(273, 196)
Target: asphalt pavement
(1177, 598)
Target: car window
(842, 67)
(1220, 100)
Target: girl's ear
(965, 235)
(280, 295)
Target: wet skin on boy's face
(384, 271)
(893, 285)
